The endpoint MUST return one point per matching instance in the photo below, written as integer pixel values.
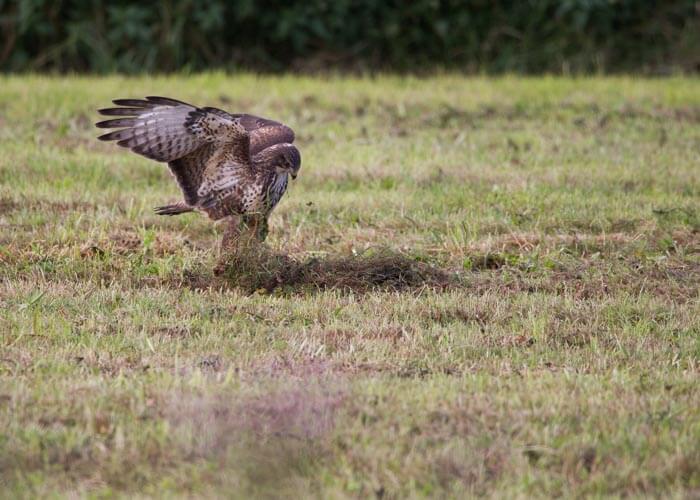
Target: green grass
(497, 295)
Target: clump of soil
(256, 267)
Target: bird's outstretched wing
(165, 129)
(265, 133)
(204, 147)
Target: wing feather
(116, 123)
(165, 101)
(120, 111)
(139, 103)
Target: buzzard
(227, 165)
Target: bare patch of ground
(9, 205)
(585, 243)
(125, 242)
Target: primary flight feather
(226, 164)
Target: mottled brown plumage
(226, 164)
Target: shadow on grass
(258, 268)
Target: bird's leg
(230, 243)
(243, 230)
(262, 228)
(242, 235)
(232, 233)
(257, 226)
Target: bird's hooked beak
(294, 175)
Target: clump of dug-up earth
(257, 267)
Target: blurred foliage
(527, 36)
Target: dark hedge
(528, 36)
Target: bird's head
(288, 160)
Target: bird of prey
(227, 165)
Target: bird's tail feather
(174, 209)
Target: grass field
(500, 296)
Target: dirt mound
(259, 268)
